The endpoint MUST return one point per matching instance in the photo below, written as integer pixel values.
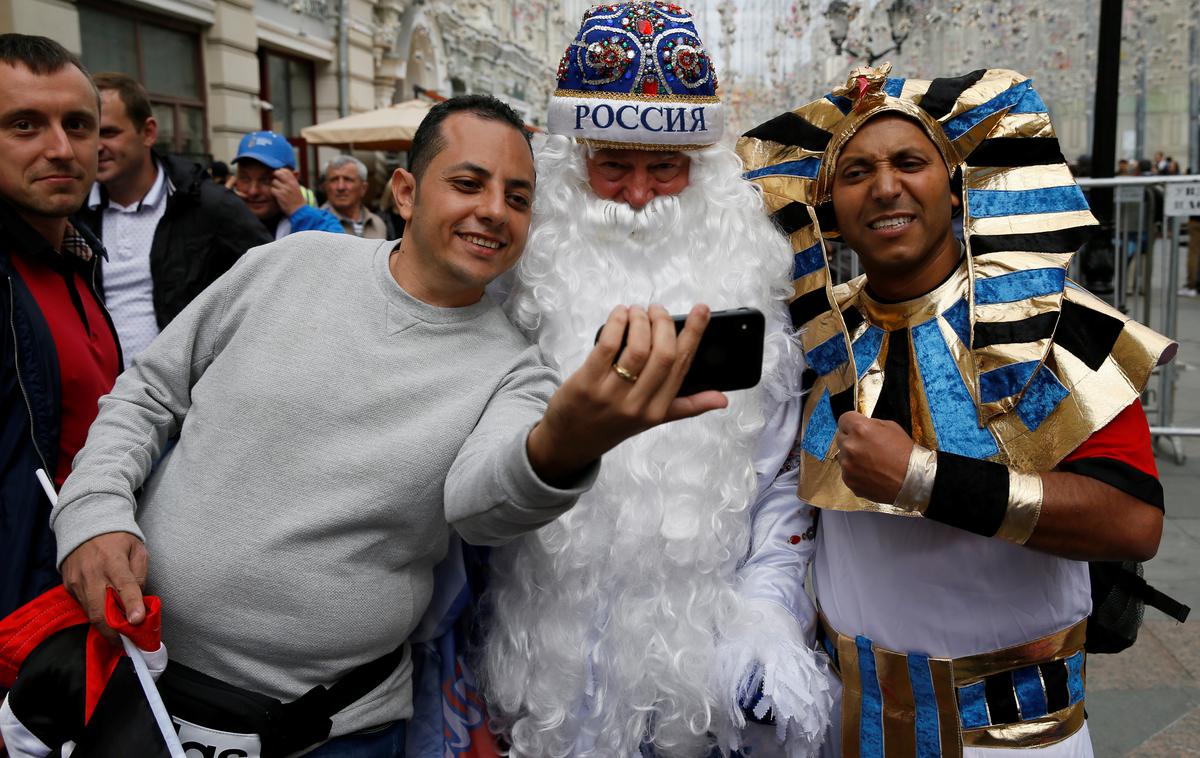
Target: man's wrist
(981, 497)
(1024, 507)
(548, 461)
(917, 487)
(78, 520)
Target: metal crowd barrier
(1142, 226)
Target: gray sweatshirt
(329, 427)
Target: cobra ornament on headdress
(637, 76)
(1024, 216)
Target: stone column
(231, 70)
(388, 20)
(56, 19)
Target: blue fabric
(309, 219)
(995, 203)
(870, 731)
(805, 167)
(268, 148)
(959, 319)
(427, 696)
(964, 122)
(1005, 381)
(1043, 395)
(866, 348)
(972, 706)
(828, 355)
(808, 261)
(1075, 677)
(830, 650)
(929, 741)
(844, 104)
(609, 52)
(1031, 102)
(1031, 694)
(821, 427)
(954, 416)
(385, 743)
(449, 716)
(894, 87)
(1019, 285)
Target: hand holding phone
(628, 384)
(730, 353)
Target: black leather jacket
(204, 230)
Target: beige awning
(390, 128)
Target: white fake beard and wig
(604, 623)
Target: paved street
(1146, 701)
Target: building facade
(217, 69)
(776, 54)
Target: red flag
(69, 685)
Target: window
(162, 54)
(288, 84)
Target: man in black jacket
(58, 350)
(168, 229)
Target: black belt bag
(220, 719)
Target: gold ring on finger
(625, 373)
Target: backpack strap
(1141, 589)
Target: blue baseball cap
(268, 148)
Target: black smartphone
(730, 354)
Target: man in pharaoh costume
(972, 428)
(666, 614)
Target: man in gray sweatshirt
(338, 405)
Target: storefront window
(165, 51)
(287, 83)
(291, 94)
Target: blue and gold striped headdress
(1023, 218)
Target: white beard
(604, 623)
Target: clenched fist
(873, 455)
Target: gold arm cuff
(917, 487)
(1024, 507)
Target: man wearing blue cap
(266, 181)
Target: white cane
(139, 664)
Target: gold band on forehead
(849, 127)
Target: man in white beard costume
(668, 608)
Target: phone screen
(730, 353)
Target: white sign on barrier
(1182, 199)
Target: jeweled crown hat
(638, 76)
(1024, 216)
